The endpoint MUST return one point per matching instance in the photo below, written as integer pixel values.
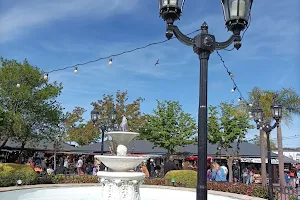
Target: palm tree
(290, 101)
(255, 95)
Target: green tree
(131, 110)
(83, 133)
(29, 102)
(169, 127)
(227, 126)
(290, 101)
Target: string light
(18, 85)
(76, 70)
(115, 55)
(231, 75)
(110, 62)
(233, 89)
(46, 76)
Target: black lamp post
(95, 117)
(113, 117)
(258, 116)
(236, 15)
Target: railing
(287, 193)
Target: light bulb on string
(250, 104)
(230, 74)
(46, 77)
(239, 99)
(110, 62)
(76, 70)
(233, 89)
(18, 85)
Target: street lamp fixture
(276, 112)
(236, 15)
(258, 116)
(95, 116)
(113, 116)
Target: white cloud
(29, 14)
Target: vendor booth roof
(135, 146)
(43, 145)
(247, 150)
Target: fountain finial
(124, 125)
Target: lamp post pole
(236, 14)
(264, 124)
(103, 129)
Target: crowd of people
(292, 178)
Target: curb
(224, 194)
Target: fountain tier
(121, 163)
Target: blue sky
(59, 33)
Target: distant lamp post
(259, 118)
(95, 116)
(236, 15)
(113, 116)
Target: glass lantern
(236, 14)
(276, 112)
(113, 114)
(94, 115)
(258, 114)
(170, 10)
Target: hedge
(62, 179)
(185, 177)
(188, 178)
(10, 173)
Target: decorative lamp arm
(234, 38)
(179, 35)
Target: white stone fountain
(121, 183)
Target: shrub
(60, 179)
(184, 177)
(47, 179)
(162, 181)
(10, 173)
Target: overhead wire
(114, 55)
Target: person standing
(250, 176)
(79, 166)
(169, 165)
(245, 175)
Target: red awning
(195, 158)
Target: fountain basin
(121, 163)
(93, 192)
(121, 137)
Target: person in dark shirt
(169, 165)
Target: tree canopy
(123, 108)
(83, 133)
(29, 101)
(227, 125)
(169, 126)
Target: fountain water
(121, 184)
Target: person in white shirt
(79, 165)
(225, 169)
